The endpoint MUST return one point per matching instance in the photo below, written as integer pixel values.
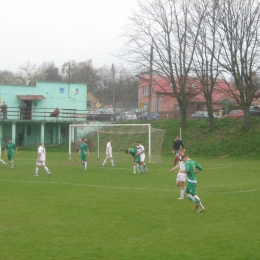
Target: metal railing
(43, 114)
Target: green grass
(110, 213)
(230, 138)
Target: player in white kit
(141, 151)
(41, 160)
(1, 161)
(109, 154)
(181, 177)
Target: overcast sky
(60, 30)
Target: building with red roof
(164, 101)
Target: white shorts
(142, 157)
(39, 163)
(109, 156)
(182, 177)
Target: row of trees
(206, 39)
(110, 84)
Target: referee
(177, 144)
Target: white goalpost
(124, 135)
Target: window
(89, 103)
(146, 90)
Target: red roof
(162, 85)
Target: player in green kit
(84, 153)
(136, 157)
(191, 169)
(10, 148)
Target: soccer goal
(124, 135)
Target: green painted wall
(62, 95)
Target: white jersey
(181, 176)
(140, 150)
(41, 151)
(182, 164)
(109, 149)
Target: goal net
(124, 135)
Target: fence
(43, 114)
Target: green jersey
(132, 151)
(10, 147)
(83, 148)
(190, 167)
(83, 151)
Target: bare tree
(29, 74)
(52, 72)
(238, 27)
(168, 25)
(7, 77)
(80, 72)
(118, 79)
(206, 66)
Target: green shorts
(137, 158)
(191, 188)
(83, 157)
(10, 156)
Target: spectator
(4, 110)
(22, 108)
(55, 113)
(20, 137)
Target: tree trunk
(210, 113)
(246, 118)
(212, 123)
(183, 118)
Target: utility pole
(150, 84)
(113, 82)
(69, 81)
(69, 73)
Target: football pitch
(109, 213)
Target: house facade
(93, 102)
(37, 124)
(164, 102)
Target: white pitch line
(125, 188)
(89, 185)
(241, 191)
